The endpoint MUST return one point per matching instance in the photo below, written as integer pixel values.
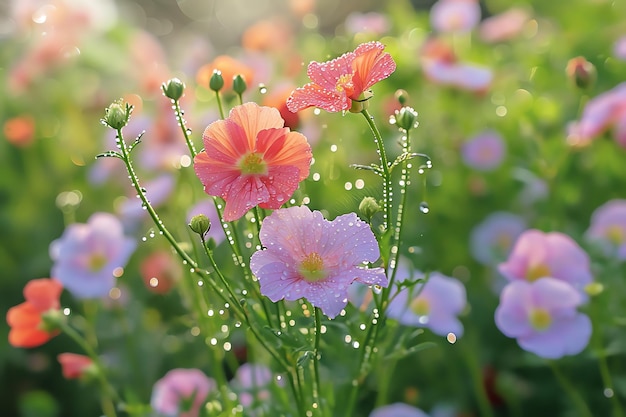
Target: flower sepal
(362, 103)
(52, 320)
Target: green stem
(317, 313)
(183, 125)
(471, 359)
(571, 391)
(219, 104)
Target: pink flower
(542, 316)
(250, 159)
(74, 365)
(503, 26)
(397, 410)
(537, 255)
(608, 228)
(336, 83)
(484, 152)
(435, 307)
(181, 392)
(492, 239)
(311, 257)
(370, 23)
(455, 15)
(619, 48)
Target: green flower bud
(216, 83)
(368, 207)
(594, 288)
(117, 115)
(406, 118)
(239, 84)
(200, 224)
(52, 320)
(173, 88)
(402, 96)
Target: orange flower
(229, 67)
(20, 131)
(74, 365)
(27, 326)
(277, 97)
(268, 35)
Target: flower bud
(173, 88)
(368, 207)
(216, 83)
(239, 84)
(402, 96)
(594, 288)
(116, 116)
(406, 118)
(52, 320)
(200, 224)
(581, 72)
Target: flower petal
(371, 65)
(253, 118)
(327, 74)
(43, 294)
(313, 95)
(242, 194)
(282, 147)
(568, 337)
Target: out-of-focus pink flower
(268, 35)
(441, 66)
(252, 383)
(311, 257)
(608, 228)
(484, 152)
(450, 16)
(492, 239)
(338, 82)
(148, 63)
(503, 26)
(371, 23)
(157, 192)
(250, 159)
(87, 255)
(207, 207)
(397, 410)
(73, 365)
(160, 271)
(542, 316)
(434, 305)
(604, 112)
(537, 255)
(619, 48)
(277, 98)
(20, 131)
(181, 393)
(27, 326)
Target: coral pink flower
(311, 257)
(181, 393)
(74, 365)
(250, 159)
(504, 26)
(336, 83)
(160, 271)
(27, 327)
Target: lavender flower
(397, 410)
(542, 316)
(484, 152)
(435, 307)
(87, 255)
(181, 392)
(491, 240)
(311, 257)
(455, 15)
(608, 228)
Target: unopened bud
(406, 118)
(200, 224)
(581, 72)
(216, 83)
(173, 88)
(402, 96)
(594, 288)
(116, 116)
(52, 320)
(239, 84)
(368, 207)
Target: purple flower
(455, 15)
(181, 392)
(311, 257)
(619, 48)
(207, 207)
(542, 316)
(397, 410)
(484, 152)
(86, 256)
(157, 192)
(466, 77)
(435, 307)
(537, 255)
(371, 23)
(491, 240)
(608, 228)
(251, 382)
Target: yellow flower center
(540, 319)
(344, 84)
(312, 267)
(252, 164)
(96, 262)
(615, 234)
(420, 306)
(537, 271)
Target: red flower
(336, 83)
(27, 327)
(74, 365)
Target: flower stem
(219, 104)
(317, 313)
(181, 122)
(476, 374)
(570, 391)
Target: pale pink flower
(608, 228)
(370, 23)
(181, 392)
(503, 26)
(455, 15)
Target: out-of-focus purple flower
(604, 112)
(455, 15)
(504, 26)
(619, 48)
(542, 316)
(207, 207)
(608, 228)
(438, 303)
(371, 23)
(311, 257)
(157, 191)
(537, 255)
(484, 152)
(181, 392)
(87, 255)
(397, 410)
(491, 240)
(252, 383)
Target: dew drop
(424, 207)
